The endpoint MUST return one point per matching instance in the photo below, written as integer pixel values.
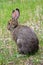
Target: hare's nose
(8, 27)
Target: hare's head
(13, 22)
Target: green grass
(31, 14)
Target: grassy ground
(31, 15)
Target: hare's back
(26, 33)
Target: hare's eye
(9, 23)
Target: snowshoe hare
(25, 38)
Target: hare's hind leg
(22, 47)
(20, 44)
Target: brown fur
(24, 37)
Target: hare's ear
(15, 14)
